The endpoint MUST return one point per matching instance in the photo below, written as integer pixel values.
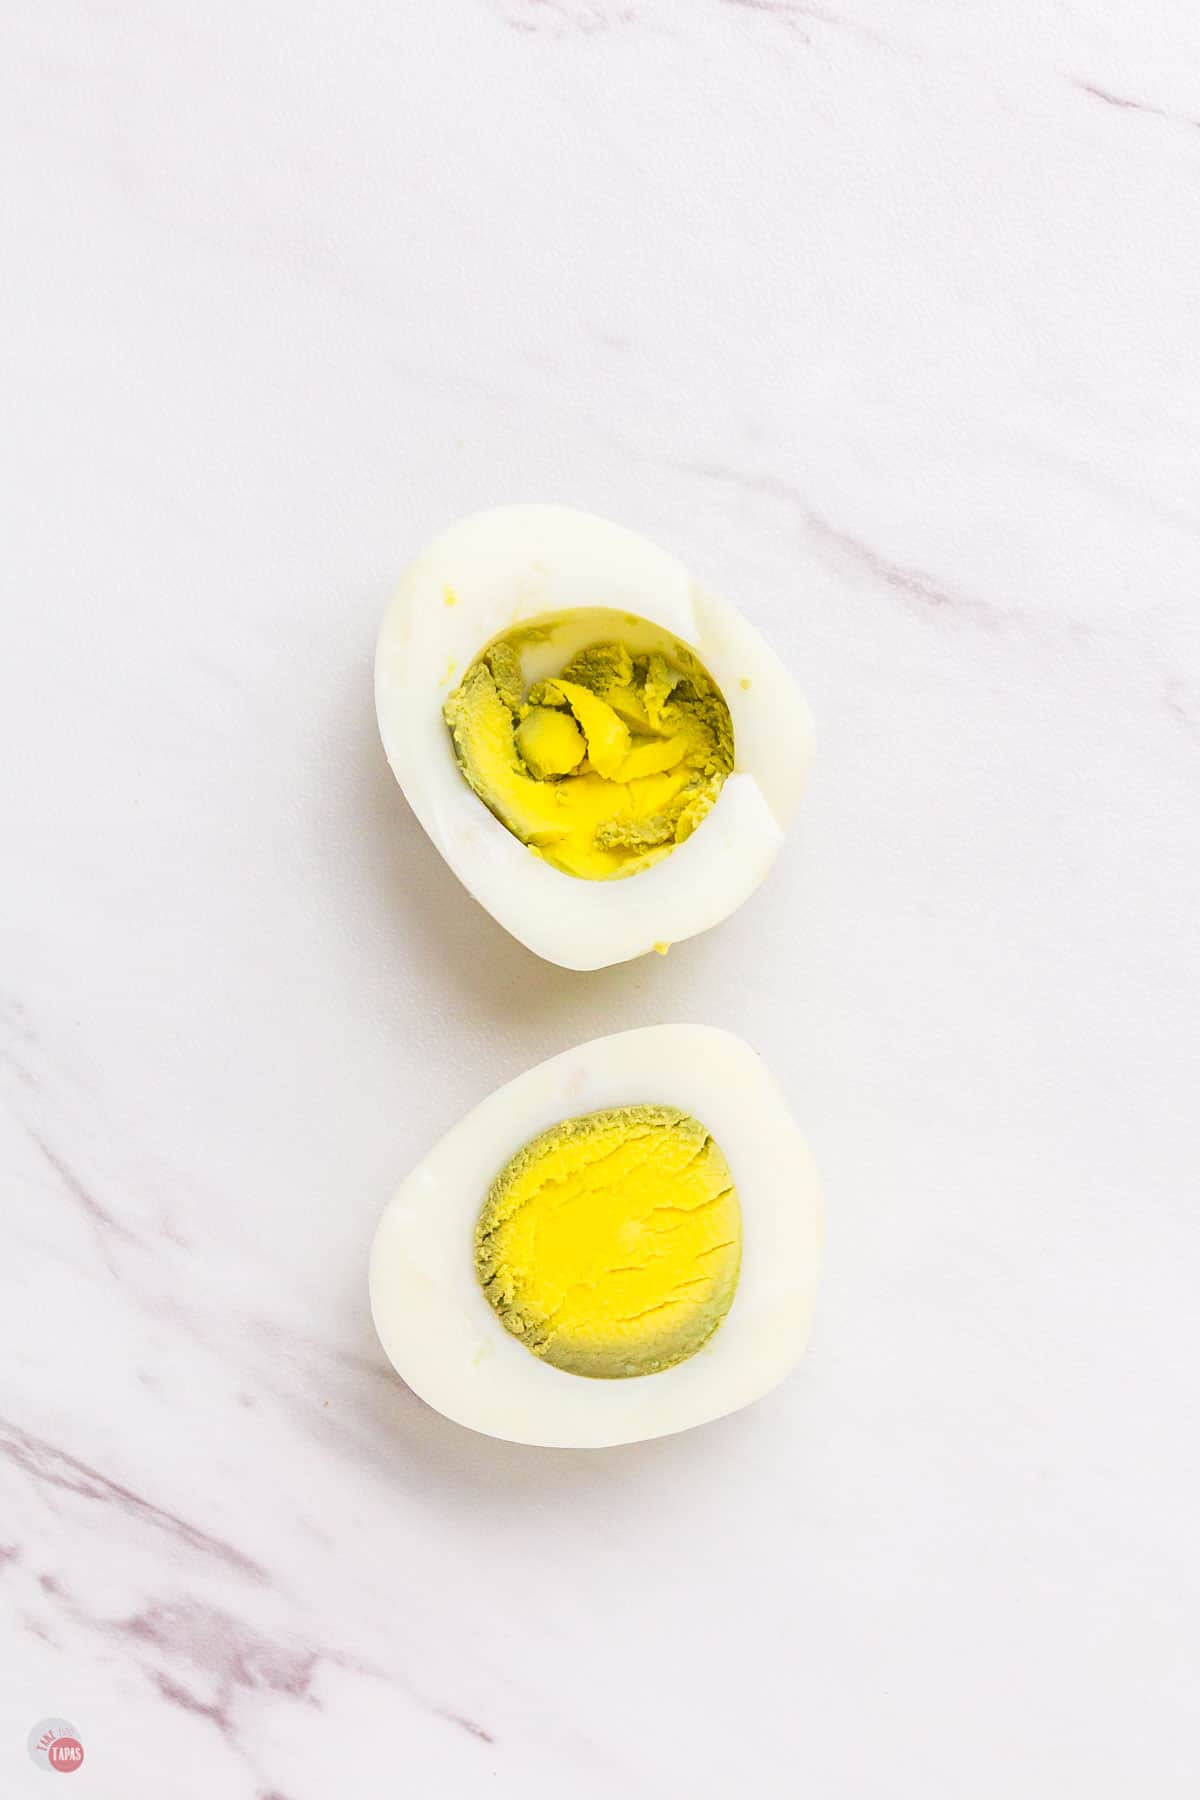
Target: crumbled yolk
(550, 742)
(611, 1244)
(602, 769)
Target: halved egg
(621, 1243)
(607, 755)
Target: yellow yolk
(611, 1244)
(549, 742)
(601, 769)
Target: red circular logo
(54, 1744)
(65, 1753)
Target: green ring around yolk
(610, 1245)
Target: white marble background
(883, 313)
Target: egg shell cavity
(518, 565)
(445, 1340)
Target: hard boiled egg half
(621, 1243)
(607, 755)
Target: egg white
(514, 564)
(441, 1333)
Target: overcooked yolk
(601, 769)
(611, 1244)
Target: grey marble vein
(53, 1467)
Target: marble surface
(882, 313)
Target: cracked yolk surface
(611, 1244)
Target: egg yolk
(602, 769)
(611, 1244)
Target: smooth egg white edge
(512, 564)
(439, 1330)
